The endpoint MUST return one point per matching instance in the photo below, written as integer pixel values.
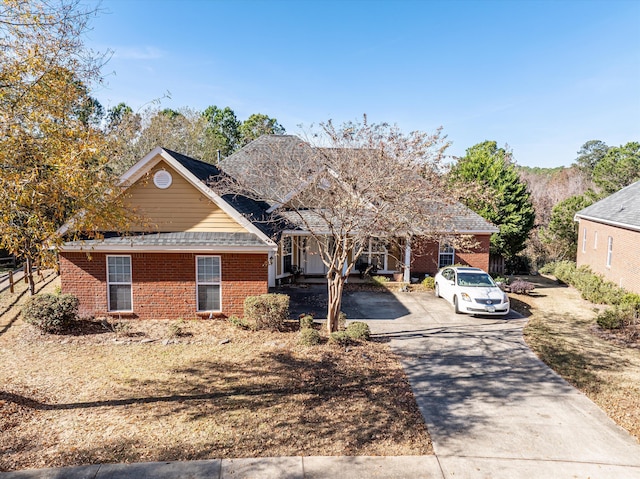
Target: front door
(312, 260)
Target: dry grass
(211, 391)
(563, 333)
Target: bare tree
(346, 185)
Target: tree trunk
(335, 282)
(29, 273)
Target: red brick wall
(625, 261)
(425, 255)
(164, 284)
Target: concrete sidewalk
(361, 467)
(405, 467)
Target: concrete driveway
(492, 408)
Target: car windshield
(474, 279)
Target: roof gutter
(617, 224)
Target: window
(584, 240)
(208, 279)
(609, 250)
(375, 253)
(595, 240)
(287, 254)
(119, 283)
(446, 255)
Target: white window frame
(283, 254)
(116, 283)
(609, 250)
(595, 240)
(368, 252)
(443, 250)
(209, 283)
(584, 240)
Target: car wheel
(436, 290)
(456, 309)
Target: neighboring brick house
(609, 238)
(200, 254)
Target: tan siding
(181, 207)
(625, 261)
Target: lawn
(147, 393)
(562, 331)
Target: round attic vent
(162, 179)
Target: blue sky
(541, 76)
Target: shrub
(620, 316)
(610, 318)
(340, 337)
(267, 311)
(358, 330)
(306, 321)
(518, 265)
(379, 280)
(178, 328)
(122, 329)
(631, 300)
(429, 282)
(563, 270)
(308, 337)
(51, 313)
(240, 323)
(520, 286)
(498, 278)
(342, 321)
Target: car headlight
(505, 298)
(465, 296)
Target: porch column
(407, 261)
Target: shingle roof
(621, 208)
(200, 169)
(254, 211)
(256, 155)
(206, 239)
(464, 220)
(454, 218)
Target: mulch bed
(131, 391)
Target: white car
(471, 291)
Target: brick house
(609, 237)
(298, 249)
(200, 254)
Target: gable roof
(621, 209)
(248, 213)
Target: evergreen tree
(506, 201)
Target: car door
(446, 288)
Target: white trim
(282, 254)
(609, 251)
(595, 239)
(153, 158)
(440, 253)
(213, 283)
(584, 240)
(271, 270)
(607, 222)
(166, 249)
(109, 283)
